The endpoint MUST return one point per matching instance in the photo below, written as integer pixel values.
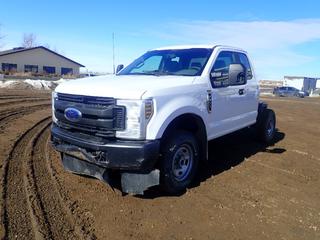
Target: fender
(261, 107)
(178, 106)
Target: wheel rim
(182, 162)
(270, 128)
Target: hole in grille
(90, 130)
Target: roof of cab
(197, 46)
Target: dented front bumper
(134, 159)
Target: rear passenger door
(233, 104)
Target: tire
(266, 126)
(179, 163)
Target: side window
(243, 59)
(220, 70)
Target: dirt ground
(247, 191)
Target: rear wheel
(266, 126)
(179, 161)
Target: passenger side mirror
(237, 74)
(119, 68)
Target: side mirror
(119, 68)
(237, 74)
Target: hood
(122, 86)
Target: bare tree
(55, 49)
(29, 40)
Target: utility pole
(113, 55)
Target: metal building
(306, 84)
(37, 60)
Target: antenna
(113, 54)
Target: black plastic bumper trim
(138, 156)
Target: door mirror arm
(119, 68)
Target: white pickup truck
(152, 121)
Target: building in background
(305, 84)
(37, 61)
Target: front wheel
(179, 161)
(266, 126)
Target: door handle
(241, 91)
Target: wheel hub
(182, 162)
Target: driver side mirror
(119, 68)
(237, 74)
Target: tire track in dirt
(8, 115)
(33, 207)
(50, 197)
(9, 97)
(11, 107)
(82, 216)
(17, 217)
(46, 208)
(24, 100)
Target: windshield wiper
(154, 73)
(136, 73)
(158, 73)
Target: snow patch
(31, 84)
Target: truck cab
(152, 120)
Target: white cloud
(251, 35)
(271, 43)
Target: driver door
(229, 100)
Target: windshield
(184, 62)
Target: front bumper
(135, 156)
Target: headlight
(138, 114)
(54, 96)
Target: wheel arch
(261, 108)
(192, 123)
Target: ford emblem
(72, 114)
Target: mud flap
(82, 167)
(134, 183)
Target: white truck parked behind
(152, 121)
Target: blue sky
(282, 37)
